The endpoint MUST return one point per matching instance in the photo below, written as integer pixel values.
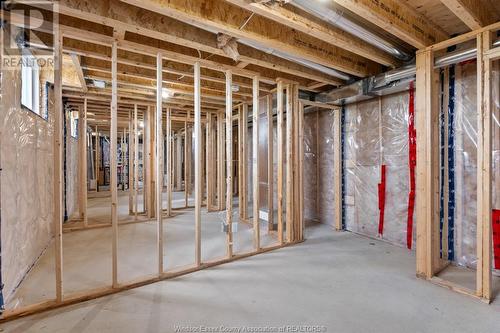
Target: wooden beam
(255, 162)
(227, 18)
(398, 19)
(197, 162)
(318, 29)
(150, 23)
(58, 163)
(159, 161)
(475, 15)
(229, 163)
(113, 166)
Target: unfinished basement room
(250, 166)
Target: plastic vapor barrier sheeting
(27, 182)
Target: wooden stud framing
(82, 141)
(484, 147)
(159, 160)
(58, 163)
(97, 157)
(229, 163)
(280, 139)
(168, 160)
(136, 163)
(243, 205)
(337, 143)
(255, 161)
(197, 165)
(289, 163)
(428, 261)
(270, 163)
(113, 166)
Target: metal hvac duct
(304, 62)
(392, 81)
(338, 19)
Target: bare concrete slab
(340, 281)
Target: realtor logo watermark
(27, 29)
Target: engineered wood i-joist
(227, 18)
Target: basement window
(73, 122)
(30, 84)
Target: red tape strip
(381, 200)
(495, 221)
(412, 161)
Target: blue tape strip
(451, 165)
(342, 154)
(441, 165)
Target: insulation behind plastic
(27, 182)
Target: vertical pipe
(197, 165)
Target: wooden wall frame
(428, 263)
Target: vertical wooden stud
(197, 165)
(159, 159)
(270, 163)
(279, 145)
(229, 163)
(255, 160)
(58, 162)
(113, 166)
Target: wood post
(427, 179)
(484, 168)
(255, 161)
(58, 162)
(97, 157)
(82, 141)
(159, 159)
(270, 163)
(136, 162)
(289, 163)
(279, 145)
(113, 167)
(130, 163)
(337, 160)
(197, 166)
(168, 161)
(209, 162)
(229, 163)
(220, 161)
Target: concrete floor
(340, 281)
(87, 256)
